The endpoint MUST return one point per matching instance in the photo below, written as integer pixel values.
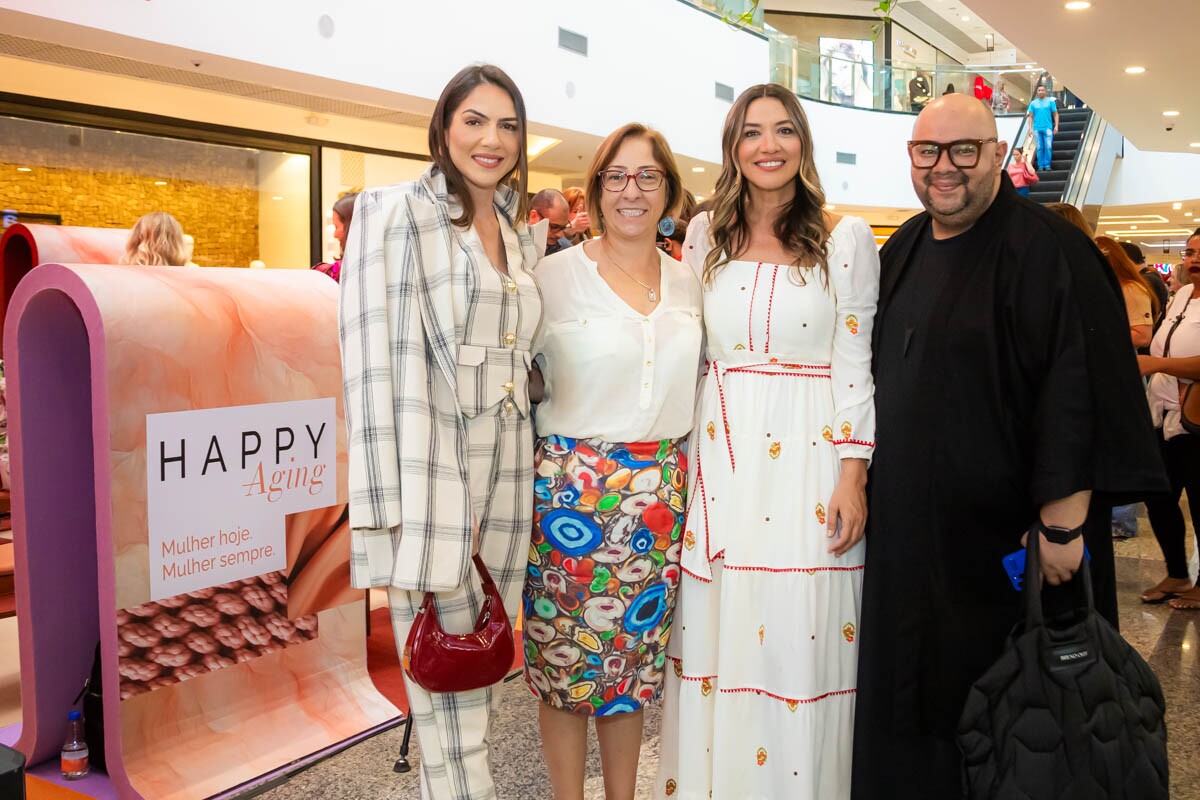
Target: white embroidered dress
(759, 700)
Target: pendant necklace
(651, 292)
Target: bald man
(995, 414)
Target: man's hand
(1060, 562)
(580, 222)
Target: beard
(959, 209)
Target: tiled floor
(1169, 640)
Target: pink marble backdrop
(164, 340)
(23, 247)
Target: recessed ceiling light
(160, 183)
(277, 197)
(1077, 5)
(699, 198)
(1134, 70)
(1170, 113)
(697, 169)
(1176, 206)
(1194, 144)
(830, 207)
(1187, 213)
(965, 18)
(1133, 227)
(24, 169)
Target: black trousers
(1181, 455)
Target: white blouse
(1185, 342)
(612, 373)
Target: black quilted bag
(1069, 712)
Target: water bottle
(74, 749)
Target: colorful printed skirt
(603, 570)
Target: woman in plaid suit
(438, 312)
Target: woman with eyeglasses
(760, 695)
(618, 350)
(1174, 365)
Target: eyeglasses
(1189, 253)
(615, 180)
(964, 153)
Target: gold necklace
(651, 292)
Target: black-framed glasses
(615, 180)
(964, 153)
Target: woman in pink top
(1022, 172)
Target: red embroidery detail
(694, 576)
(853, 441)
(783, 374)
(751, 568)
(753, 295)
(725, 419)
(802, 701)
(771, 306)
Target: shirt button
(510, 286)
(645, 386)
(648, 363)
(508, 407)
(509, 386)
(510, 338)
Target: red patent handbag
(459, 662)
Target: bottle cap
(74, 715)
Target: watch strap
(1057, 535)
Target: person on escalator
(1022, 172)
(1043, 114)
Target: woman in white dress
(759, 702)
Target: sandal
(1187, 601)
(1166, 589)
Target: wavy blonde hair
(156, 241)
(800, 226)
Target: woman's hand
(1148, 365)
(537, 385)
(848, 507)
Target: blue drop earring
(666, 226)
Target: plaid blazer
(410, 502)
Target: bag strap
(485, 579)
(1178, 319)
(1033, 581)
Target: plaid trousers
(452, 728)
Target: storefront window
(239, 204)
(347, 171)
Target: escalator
(1072, 125)
(1086, 149)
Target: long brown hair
(800, 226)
(453, 95)
(1126, 271)
(608, 151)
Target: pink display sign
(179, 496)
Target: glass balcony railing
(846, 74)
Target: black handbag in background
(1069, 712)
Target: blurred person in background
(552, 206)
(1043, 117)
(343, 213)
(1174, 364)
(579, 228)
(155, 241)
(1021, 172)
(1072, 215)
(1141, 306)
(1153, 279)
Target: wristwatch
(1058, 535)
